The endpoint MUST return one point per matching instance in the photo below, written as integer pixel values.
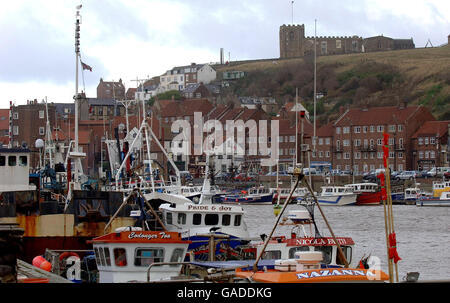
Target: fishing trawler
(125, 255)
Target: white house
(206, 73)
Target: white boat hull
(338, 200)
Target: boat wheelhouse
(367, 193)
(125, 256)
(194, 219)
(439, 187)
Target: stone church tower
(292, 39)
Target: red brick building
(358, 137)
(430, 145)
(111, 90)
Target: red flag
(85, 66)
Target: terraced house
(358, 137)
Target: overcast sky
(132, 39)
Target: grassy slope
(425, 72)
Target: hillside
(417, 76)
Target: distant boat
(335, 195)
(443, 200)
(367, 193)
(257, 195)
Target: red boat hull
(369, 198)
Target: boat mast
(315, 86)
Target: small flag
(85, 66)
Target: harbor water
(423, 234)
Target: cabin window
(326, 253)
(347, 250)
(97, 256)
(237, 220)
(120, 257)
(293, 250)
(211, 219)
(197, 219)
(102, 256)
(177, 255)
(169, 218)
(272, 254)
(12, 161)
(147, 256)
(181, 218)
(23, 161)
(107, 256)
(226, 220)
(2, 160)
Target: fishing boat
(439, 187)
(412, 194)
(367, 193)
(126, 254)
(443, 200)
(334, 195)
(256, 195)
(281, 194)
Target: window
(107, 256)
(177, 255)
(97, 256)
(15, 130)
(23, 160)
(292, 138)
(357, 155)
(400, 155)
(211, 219)
(327, 154)
(197, 219)
(326, 253)
(347, 251)
(338, 43)
(346, 130)
(15, 116)
(421, 155)
(320, 141)
(12, 161)
(379, 141)
(147, 256)
(346, 155)
(169, 218)
(2, 160)
(41, 131)
(293, 250)
(399, 128)
(432, 154)
(226, 220)
(272, 254)
(392, 128)
(365, 129)
(432, 140)
(181, 218)
(372, 128)
(346, 142)
(391, 141)
(338, 130)
(380, 128)
(420, 141)
(357, 142)
(324, 47)
(327, 141)
(237, 220)
(426, 140)
(391, 155)
(120, 257)
(357, 129)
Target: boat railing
(212, 274)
